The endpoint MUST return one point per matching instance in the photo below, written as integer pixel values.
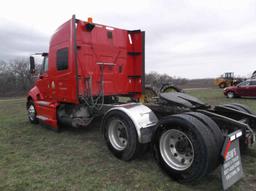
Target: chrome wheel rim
(176, 149)
(230, 94)
(117, 134)
(31, 112)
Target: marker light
(89, 20)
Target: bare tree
(157, 80)
(15, 78)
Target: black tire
(202, 139)
(32, 118)
(222, 85)
(238, 107)
(243, 107)
(133, 148)
(215, 130)
(169, 88)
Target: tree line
(156, 80)
(15, 78)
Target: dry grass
(36, 158)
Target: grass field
(36, 158)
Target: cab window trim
(62, 59)
(44, 67)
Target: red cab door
(43, 81)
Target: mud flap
(231, 169)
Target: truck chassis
(187, 135)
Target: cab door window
(44, 67)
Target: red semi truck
(90, 68)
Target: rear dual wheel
(222, 85)
(121, 136)
(117, 134)
(187, 147)
(176, 149)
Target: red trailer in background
(95, 70)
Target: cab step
(47, 113)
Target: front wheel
(32, 112)
(222, 85)
(121, 136)
(230, 95)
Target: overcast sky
(184, 38)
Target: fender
(33, 93)
(142, 117)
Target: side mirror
(32, 65)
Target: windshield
(245, 83)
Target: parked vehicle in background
(227, 79)
(243, 89)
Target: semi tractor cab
(88, 64)
(95, 70)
